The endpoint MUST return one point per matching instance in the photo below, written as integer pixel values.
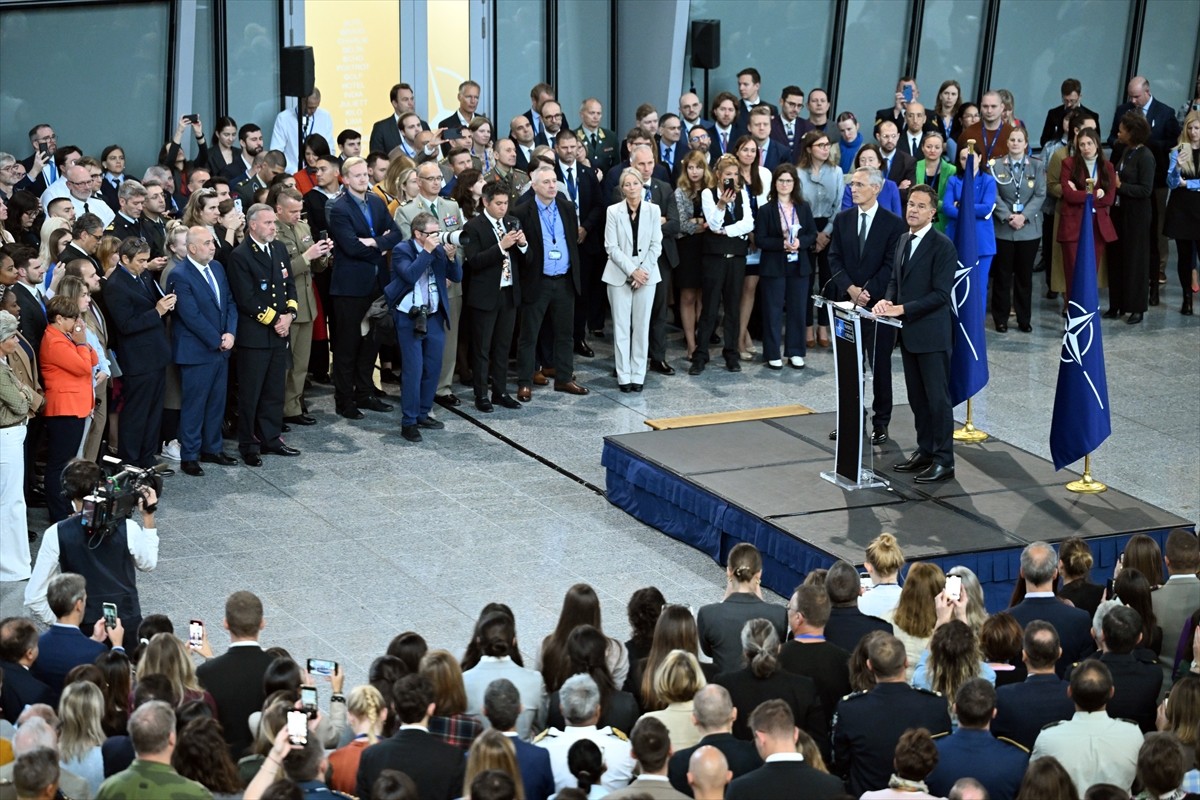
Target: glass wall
(584, 71)
(872, 60)
(252, 55)
(951, 33)
(521, 55)
(1169, 50)
(202, 73)
(1040, 45)
(88, 99)
(788, 43)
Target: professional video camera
(116, 496)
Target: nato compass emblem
(962, 277)
(839, 328)
(1077, 340)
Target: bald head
(712, 709)
(79, 182)
(914, 117)
(1139, 91)
(201, 245)
(708, 772)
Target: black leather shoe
(915, 463)
(732, 364)
(285, 428)
(661, 367)
(282, 450)
(1025, 327)
(411, 432)
(484, 405)
(191, 468)
(582, 349)
(224, 459)
(252, 459)
(505, 401)
(351, 412)
(389, 376)
(637, 387)
(374, 404)
(625, 388)
(300, 419)
(1002, 328)
(1134, 319)
(430, 424)
(1112, 313)
(935, 474)
(696, 368)
(447, 401)
(879, 434)
(833, 435)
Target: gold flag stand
(969, 433)
(1086, 484)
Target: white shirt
(870, 214)
(914, 242)
(95, 205)
(618, 757)
(716, 217)
(283, 135)
(882, 599)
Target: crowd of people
(888, 684)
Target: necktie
(85, 207)
(53, 172)
(595, 141)
(433, 207)
(724, 142)
(790, 129)
(647, 191)
(912, 143)
(571, 182)
(887, 167)
(212, 284)
(908, 248)
(762, 157)
(862, 232)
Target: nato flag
(968, 361)
(1081, 419)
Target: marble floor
(366, 535)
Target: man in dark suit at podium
(919, 292)
(861, 253)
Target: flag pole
(1086, 484)
(968, 433)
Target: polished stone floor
(366, 535)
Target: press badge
(555, 254)
(1018, 207)
(793, 256)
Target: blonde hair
(807, 747)
(678, 677)
(1186, 159)
(885, 555)
(976, 610)
(493, 750)
(166, 656)
(365, 702)
(80, 710)
(49, 226)
(445, 674)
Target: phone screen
(452, 134)
(110, 615)
(321, 666)
(953, 586)
(297, 727)
(865, 582)
(308, 697)
(195, 633)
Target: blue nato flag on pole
(1081, 416)
(968, 361)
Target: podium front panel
(848, 368)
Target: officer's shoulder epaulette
(549, 733)
(856, 695)
(930, 692)
(941, 735)
(1050, 725)
(1017, 745)
(617, 732)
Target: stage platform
(759, 481)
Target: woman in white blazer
(633, 241)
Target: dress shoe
(625, 388)
(252, 459)
(915, 463)
(377, 392)
(1025, 327)
(505, 401)
(879, 434)
(935, 474)
(661, 367)
(570, 387)
(301, 419)
(696, 368)
(1002, 327)
(388, 376)
(484, 405)
(165, 473)
(597, 333)
(524, 394)
(732, 364)
(775, 363)
(797, 362)
(282, 450)
(351, 412)
(374, 404)
(285, 428)
(582, 349)
(1134, 319)
(833, 435)
(637, 387)
(410, 432)
(191, 468)
(224, 459)
(430, 424)
(447, 401)
(540, 379)
(1112, 313)
(746, 355)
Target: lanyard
(988, 146)
(789, 224)
(552, 219)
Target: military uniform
(613, 744)
(122, 227)
(149, 780)
(999, 764)
(514, 182)
(262, 286)
(1137, 680)
(297, 239)
(1093, 748)
(867, 726)
(600, 152)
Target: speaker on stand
(297, 78)
(706, 48)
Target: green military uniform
(515, 181)
(601, 149)
(297, 239)
(149, 780)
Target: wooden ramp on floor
(721, 417)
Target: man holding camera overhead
(420, 304)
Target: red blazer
(1070, 210)
(67, 375)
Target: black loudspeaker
(706, 43)
(297, 74)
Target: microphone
(826, 286)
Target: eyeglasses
(429, 177)
(79, 183)
(552, 116)
(821, 144)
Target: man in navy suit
(40, 169)
(784, 770)
(1039, 569)
(202, 336)
(502, 707)
(770, 152)
(919, 292)
(64, 646)
(971, 751)
(689, 113)
(788, 128)
(420, 303)
(749, 82)
(861, 253)
(385, 134)
(726, 129)
(636, 137)
(136, 306)
(363, 234)
(1023, 709)
(585, 193)
(18, 653)
(468, 101)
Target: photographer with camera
(101, 543)
(418, 296)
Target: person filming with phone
(107, 559)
